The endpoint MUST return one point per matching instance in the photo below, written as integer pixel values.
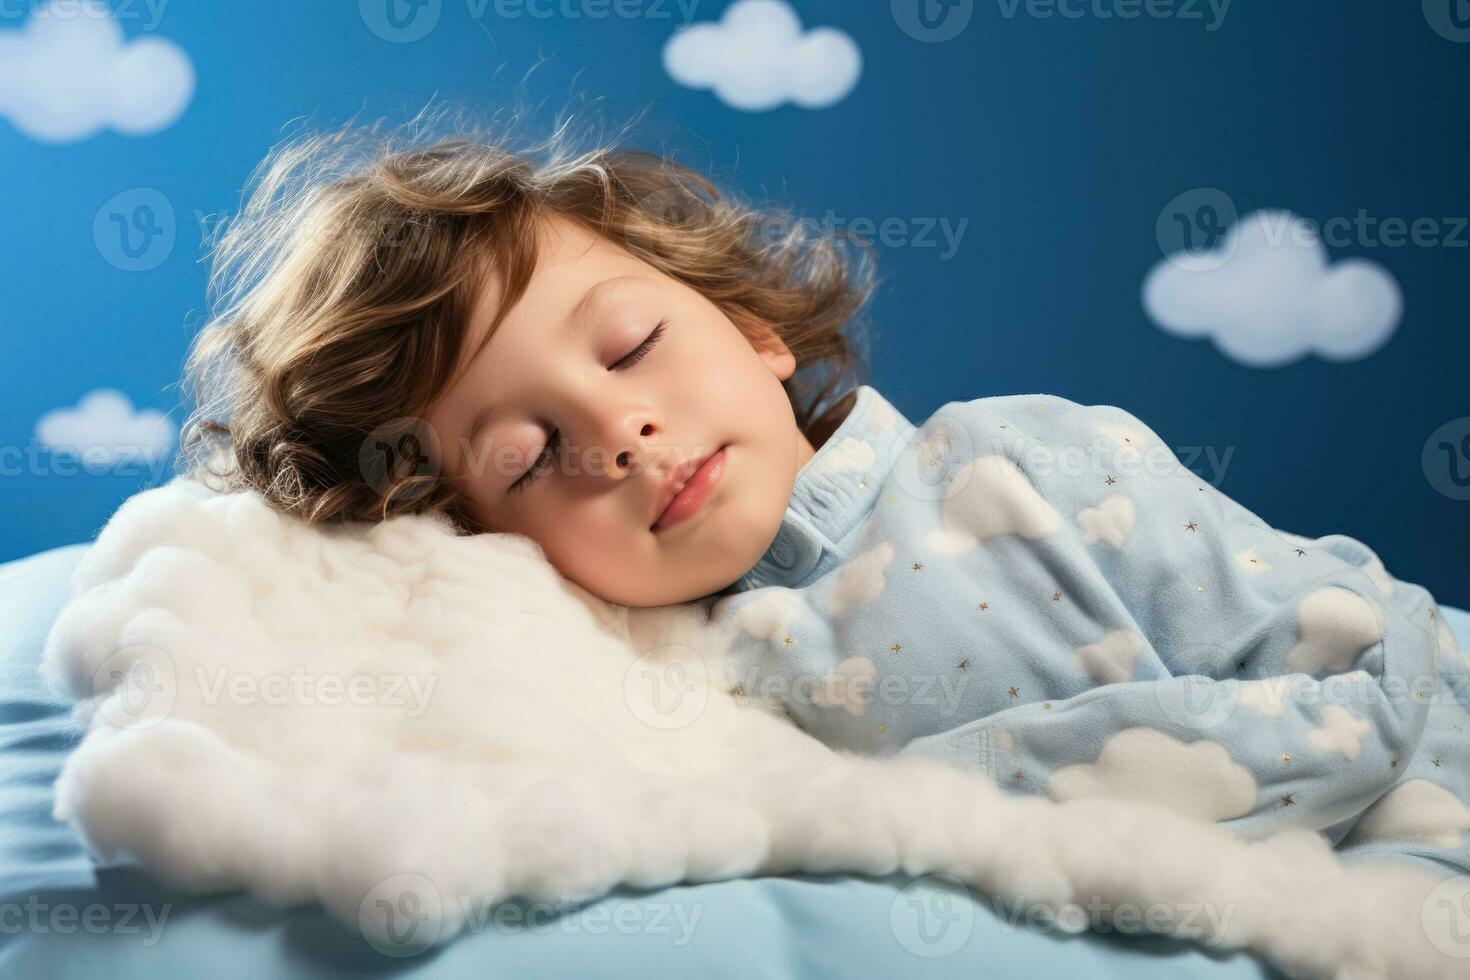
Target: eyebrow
(576, 319)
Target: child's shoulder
(1035, 414)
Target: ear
(774, 352)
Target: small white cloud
(1268, 296)
(1267, 695)
(861, 580)
(771, 616)
(1333, 626)
(1129, 443)
(933, 447)
(1111, 659)
(104, 430)
(848, 686)
(1447, 645)
(1249, 561)
(757, 57)
(987, 498)
(1340, 731)
(848, 456)
(69, 73)
(1110, 521)
(1414, 810)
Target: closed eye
(627, 361)
(639, 352)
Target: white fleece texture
(558, 746)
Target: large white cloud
(1197, 779)
(69, 73)
(757, 57)
(1268, 296)
(103, 429)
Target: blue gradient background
(1059, 140)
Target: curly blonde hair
(341, 292)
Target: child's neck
(823, 428)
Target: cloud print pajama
(1041, 590)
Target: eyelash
(637, 354)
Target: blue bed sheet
(61, 916)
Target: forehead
(569, 260)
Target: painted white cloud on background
(69, 73)
(756, 57)
(105, 430)
(1268, 295)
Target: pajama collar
(833, 493)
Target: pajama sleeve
(1230, 671)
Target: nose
(627, 441)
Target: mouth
(688, 488)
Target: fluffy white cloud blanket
(353, 714)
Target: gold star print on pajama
(1046, 590)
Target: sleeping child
(601, 352)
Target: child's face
(592, 503)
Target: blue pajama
(1040, 590)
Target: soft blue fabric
(1040, 589)
(793, 926)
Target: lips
(675, 482)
